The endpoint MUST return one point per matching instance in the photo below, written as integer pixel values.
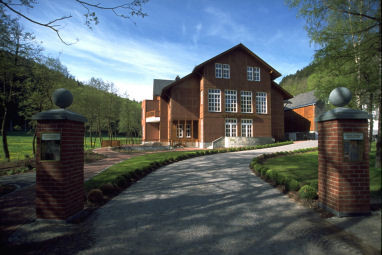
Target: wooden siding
(300, 119)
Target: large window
(230, 101)
(253, 73)
(214, 100)
(222, 71)
(261, 102)
(246, 127)
(230, 127)
(179, 130)
(246, 101)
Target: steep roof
(274, 73)
(159, 85)
(301, 100)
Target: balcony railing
(152, 114)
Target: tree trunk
(4, 136)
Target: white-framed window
(261, 102)
(230, 127)
(214, 100)
(188, 130)
(246, 101)
(246, 128)
(253, 73)
(179, 130)
(230, 101)
(218, 70)
(226, 72)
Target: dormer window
(222, 71)
(253, 73)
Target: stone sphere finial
(63, 98)
(340, 96)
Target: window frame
(188, 130)
(247, 127)
(214, 100)
(230, 97)
(179, 130)
(253, 73)
(261, 103)
(226, 71)
(245, 98)
(231, 127)
(218, 70)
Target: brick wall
(60, 184)
(343, 186)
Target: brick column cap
(59, 114)
(343, 113)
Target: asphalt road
(211, 205)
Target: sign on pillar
(59, 160)
(343, 158)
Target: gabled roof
(274, 73)
(301, 100)
(282, 91)
(159, 85)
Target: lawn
(303, 168)
(20, 144)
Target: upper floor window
(261, 102)
(214, 100)
(246, 101)
(226, 74)
(253, 73)
(222, 71)
(230, 101)
(218, 70)
(230, 127)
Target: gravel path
(212, 205)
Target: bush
(307, 192)
(271, 175)
(109, 189)
(281, 179)
(292, 185)
(120, 182)
(314, 184)
(95, 196)
(263, 170)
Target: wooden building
(300, 112)
(229, 100)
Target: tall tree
(125, 10)
(349, 35)
(17, 50)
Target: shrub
(95, 196)
(281, 179)
(120, 182)
(314, 184)
(292, 185)
(307, 192)
(109, 189)
(263, 170)
(271, 175)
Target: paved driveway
(211, 205)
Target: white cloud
(196, 35)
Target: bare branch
(48, 25)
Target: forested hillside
(298, 83)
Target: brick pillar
(343, 184)
(60, 181)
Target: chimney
(177, 78)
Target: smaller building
(300, 112)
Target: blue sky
(175, 36)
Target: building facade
(300, 113)
(228, 100)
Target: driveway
(212, 205)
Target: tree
(124, 10)
(17, 50)
(349, 35)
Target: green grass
(303, 168)
(20, 144)
(132, 165)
